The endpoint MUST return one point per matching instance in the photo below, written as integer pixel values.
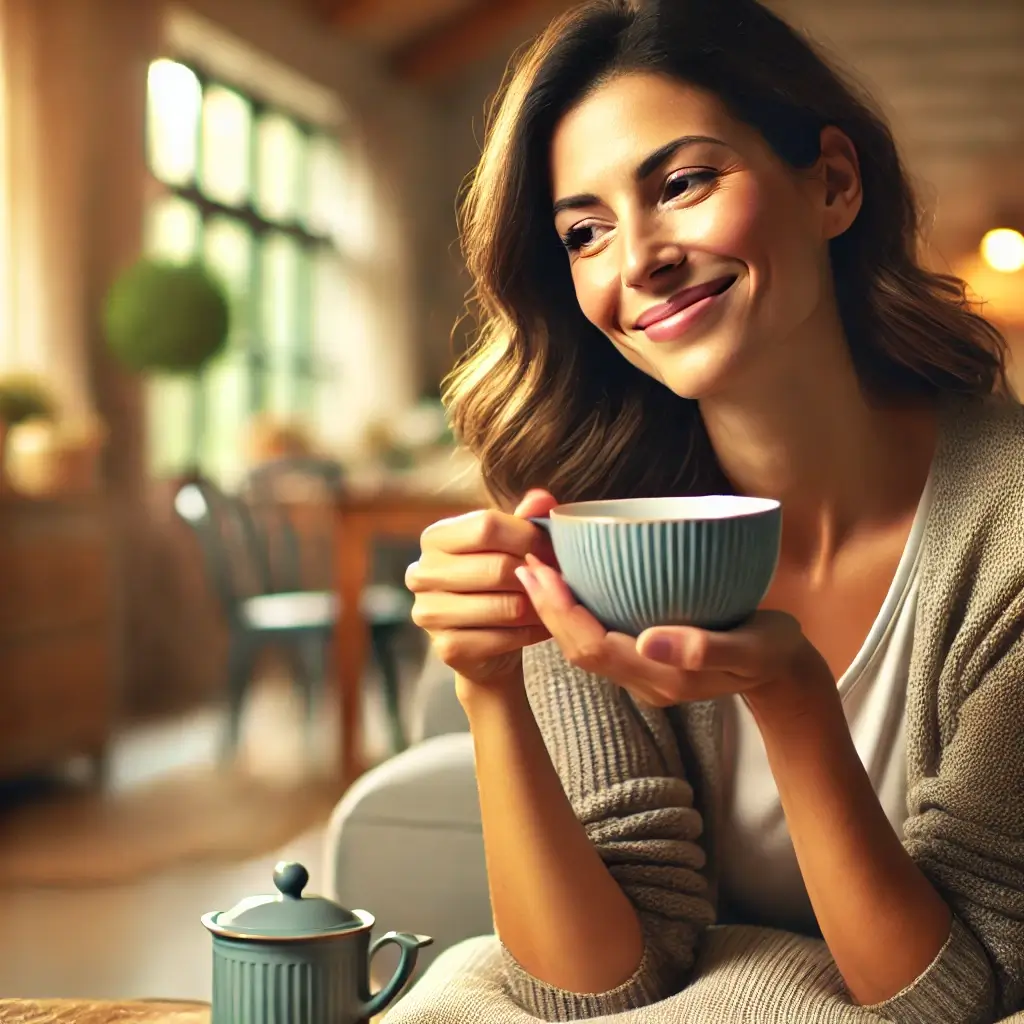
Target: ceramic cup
(635, 563)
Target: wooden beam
(324, 10)
(354, 15)
(458, 41)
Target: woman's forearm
(882, 919)
(556, 907)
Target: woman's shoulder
(974, 541)
(982, 437)
(978, 477)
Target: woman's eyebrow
(652, 162)
(645, 169)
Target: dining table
(363, 519)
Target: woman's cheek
(730, 224)
(597, 291)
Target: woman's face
(693, 247)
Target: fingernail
(528, 580)
(660, 648)
(544, 577)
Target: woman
(695, 256)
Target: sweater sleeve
(621, 768)
(967, 836)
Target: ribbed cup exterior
(710, 573)
(286, 984)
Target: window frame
(304, 372)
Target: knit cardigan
(646, 783)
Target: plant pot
(4, 486)
(45, 461)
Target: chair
(253, 554)
(297, 496)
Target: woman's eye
(688, 182)
(576, 238)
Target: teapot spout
(410, 946)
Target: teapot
(294, 959)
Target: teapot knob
(290, 879)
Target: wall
(459, 111)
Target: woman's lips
(671, 319)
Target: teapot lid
(287, 913)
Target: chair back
(291, 504)
(234, 555)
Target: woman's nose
(648, 254)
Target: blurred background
(212, 479)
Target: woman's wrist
(808, 695)
(502, 695)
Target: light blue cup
(639, 562)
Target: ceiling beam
(324, 10)
(455, 43)
(353, 15)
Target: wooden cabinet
(58, 635)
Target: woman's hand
(467, 596)
(667, 665)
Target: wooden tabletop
(87, 1011)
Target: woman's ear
(839, 173)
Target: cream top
(760, 879)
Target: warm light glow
(1003, 250)
(999, 295)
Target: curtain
(44, 155)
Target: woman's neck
(838, 462)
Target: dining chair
(271, 576)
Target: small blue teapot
(294, 959)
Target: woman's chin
(699, 372)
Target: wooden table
(360, 521)
(90, 1011)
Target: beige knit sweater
(645, 782)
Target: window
(254, 192)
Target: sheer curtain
(43, 157)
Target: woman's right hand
(467, 597)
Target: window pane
(172, 228)
(227, 131)
(169, 406)
(280, 319)
(332, 300)
(326, 211)
(281, 156)
(172, 114)
(306, 367)
(330, 288)
(228, 245)
(226, 382)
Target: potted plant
(163, 317)
(23, 397)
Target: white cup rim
(691, 508)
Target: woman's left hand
(670, 665)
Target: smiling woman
(762, 96)
(696, 263)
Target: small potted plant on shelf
(24, 397)
(174, 318)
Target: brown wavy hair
(541, 397)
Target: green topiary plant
(164, 317)
(24, 396)
(167, 317)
